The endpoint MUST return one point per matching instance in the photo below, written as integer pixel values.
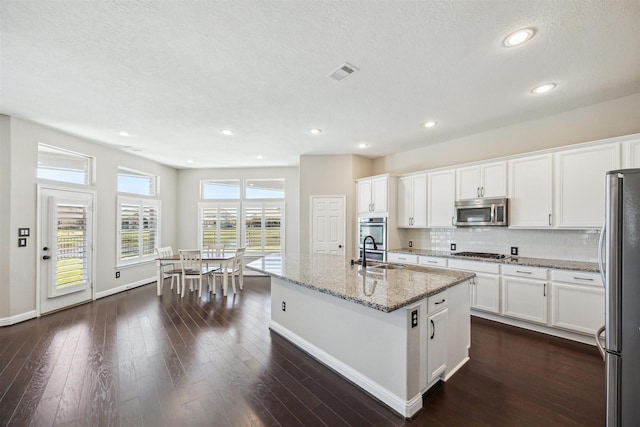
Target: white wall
(189, 197)
(606, 120)
(22, 210)
(6, 238)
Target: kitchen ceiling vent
(345, 70)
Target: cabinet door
(419, 196)
(364, 196)
(437, 345)
(485, 292)
(379, 194)
(468, 183)
(524, 299)
(632, 154)
(441, 198)
(578, 308)
(493, 180)
(530, 187)
(405, 201)
(581, 185)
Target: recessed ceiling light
(125, 134)
(543, 88)
(190, 161)
(363, 145)
(315, 131)
(259, 157)
(430, 124)
(518, 37)
(228, 132)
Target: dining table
(224, 259)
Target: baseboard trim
(406, 408)
(126, 287)
(12, 320)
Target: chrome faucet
(364, 249)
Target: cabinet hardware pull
(544, 290)
(523, 272)
(584, 278)
(441, 301)
(549, 219)
(478, 191)
(433, 329)
(432, 262)
(481, 191)
(452, 221)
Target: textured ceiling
(174, 73)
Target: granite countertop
(591, 267)
(380, 289)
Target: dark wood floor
(138, 359)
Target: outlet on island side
(284, 306)
(410, 243)
(414, 318)
(514, 250)
(453, 246)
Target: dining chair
(235, 266)
(169, 269)
(194, 269)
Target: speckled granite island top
(384, 290)
(591, 267)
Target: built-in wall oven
(377, 228)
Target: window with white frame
(135, 182)
(57, 164)
(139, 230)
(255, 222)
(263, 227)
(219, 224)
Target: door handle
(339, 246)
(46, 257)
(45, 248)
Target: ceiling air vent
(345, 70)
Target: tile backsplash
(570, 245)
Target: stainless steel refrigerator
(621, 257)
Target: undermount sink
(386, 266)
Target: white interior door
(66, 248)
(327, 224)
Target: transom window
(57, 164)
(135, 182)
(220, 189)
(264, 189)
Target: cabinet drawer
(432, 261)
(576, 277)
(529, 272)
(402, 258)
(476, 267)
(437, 302)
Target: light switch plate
(514, 250)
(453, 246)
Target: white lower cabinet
(430, 261)
(437, 346)
(524, 293)
(485, 287)
(402, 258)
(578, 302)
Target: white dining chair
(194, 269)
(235, 267)
(169, 269)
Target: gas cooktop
(480, 255)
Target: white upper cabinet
(632, 153)
(373, 194)
(441, 195)
(531, 192)
(580, 185)
(412, 201)
(487, 180)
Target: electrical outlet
(117, 274)
(284, 306)
(414, 318)
(453, 246)
(410, 243)
(514, 250)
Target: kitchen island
(395, 332)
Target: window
(219, 224)
(225, 189)
(264, 189)
(139, 232)
(134, 182)
(57, 164)
(264, 228)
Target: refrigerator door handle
(601, 252)
(599, 344)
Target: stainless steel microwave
(482, 212)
